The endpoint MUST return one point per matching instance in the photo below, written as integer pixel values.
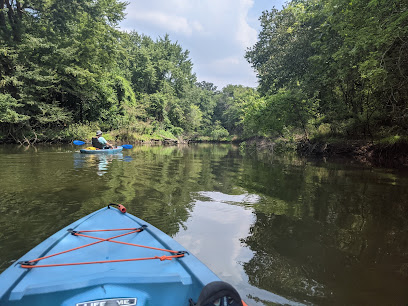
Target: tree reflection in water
(307, 231)
(330, 235)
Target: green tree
(56, 60)
(232, 103)
(345, 57)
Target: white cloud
(245, 33)
(197, 26)
(211, 218)
(169, 23)
(216, 32)
(226, 62)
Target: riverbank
(85, 132)
(376, 153)
(387, 152)
(392, 152)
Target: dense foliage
(66, 69)
(324, 67)
(335, 66)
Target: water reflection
(327, 233)
(282, 230)
(127, 159)
(98, 161)
(219, 197)
(213, 233)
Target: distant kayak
(92, 150)
(111, 257)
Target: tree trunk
(2, 17)
(15, 15)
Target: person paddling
(99, 142)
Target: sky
(217, 33)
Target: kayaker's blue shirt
(102, 140)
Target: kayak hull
(147, 282)
(115, 150)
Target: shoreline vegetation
(391, 152)
(332, 80)
(388, 153)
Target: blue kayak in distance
(115, 150)
(111, 257)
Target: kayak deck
(149, 282)
(117, 149)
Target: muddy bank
(377, 154)
(374, 154)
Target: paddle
(80, 143)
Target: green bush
(177, 131)
(218, 132)
(80, 131)
(162, 134)
(391, 140)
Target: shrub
(219, 132)
(79, 131)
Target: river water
(281, 229)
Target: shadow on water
(282, 230)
